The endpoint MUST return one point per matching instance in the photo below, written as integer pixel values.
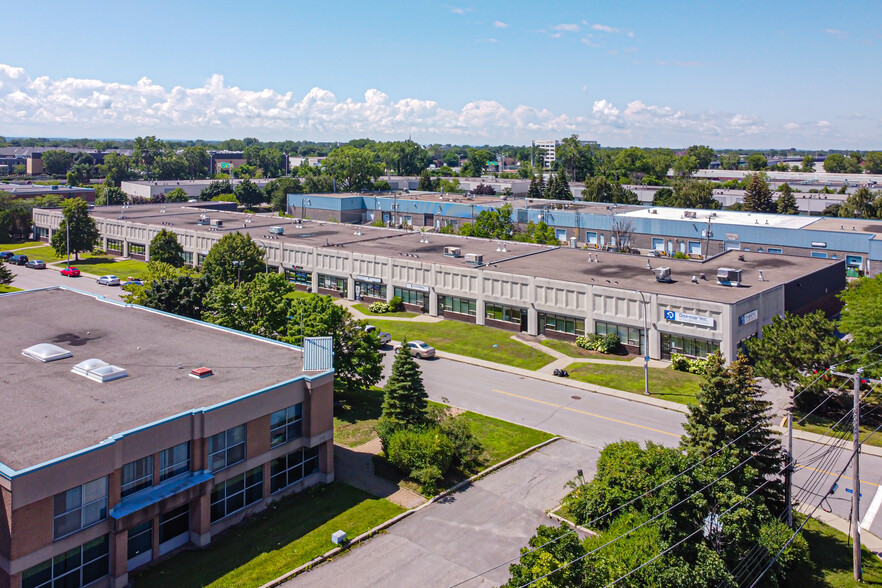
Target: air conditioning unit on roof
(452, 252)
(474, 258)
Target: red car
(70, 272)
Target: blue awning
(161, 491)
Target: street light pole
(645, 345)
(265, 256)
(67, 229)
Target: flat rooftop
(49, 412)
(847, 225)
(729, 217)
(622, 270)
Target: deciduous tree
(84, 235)
(808, 163)
(703, 154)
(862, 318)
(353, 168)
(219, 266)
(757, 162)
(56, 162)
(164, 247)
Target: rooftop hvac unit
(203, 220)
(689, 214)
(662, 274)
(217, 222)
(727, 276)
(474, 258)
(277, 230)
(452, 252)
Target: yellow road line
(587, 413)
(834, 475)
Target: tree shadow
(357, 406)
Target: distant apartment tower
(546, 153)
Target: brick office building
(142, 452)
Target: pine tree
(729, 405)
(551, 188)
(405, 400)
(787, 201)
(541, 183)
(533, 190)
(758, 196)
(563, 186)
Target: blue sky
(750, 74)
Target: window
(300, 277)
(632, 336)
(174, 461)
(820, 254)
(80, 507)
(854, 261)
(591, 237)
(774, 250)
(293, 467)
(460, 305)
(561, 235)
(686, 346)
(136, 475)
(78, 567)
(226, 448)
(236, 493)
(694, 247)
(114, 245)
(411, 296)
(561, 324)
(332, 283)
(140, 539)
(286, 425)
(136, 249)
(499, 312)
(188, 257)
(658, 244)
(173, 523)
(372, 290)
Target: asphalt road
(596, 419)
(29, 279)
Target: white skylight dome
(46, 352)
(99, 370)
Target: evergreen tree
(551, 188)
(563, 186)
(6, 276)
(533, 190)
(405, 399)
(787, 201)
(541, 183)
(730, 404)
(758, 196)
(165, 248)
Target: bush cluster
(379, 307)
(608, 343)
(681, 363)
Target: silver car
(108, 281)
(420, 349)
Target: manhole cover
(576, 397)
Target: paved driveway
(469, 532)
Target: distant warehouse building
(657, 305)
(129, 433)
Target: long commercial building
(560, 292)
(128, 433)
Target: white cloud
(837, 33)
(568, 27)
(499, 24)
(604, 28)
(631, 34)
(78, 107)
(589, 42)
(461, 11)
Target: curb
(553, 515)
(385, 525)
(815, 438)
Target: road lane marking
(871, 512)
(587, 413)
(804, 467)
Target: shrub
(681, 363)
(379, 307)
(378, 223)
(680, 255)
(422, 454)
(225, 198)
(396, 304)
(468, 453)
(608, 343)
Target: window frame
(81, 508)
(59, 561)
(290, 421)
(303, 457)
(250, 481)
(227, 447)
(138, 483)
(175, 467)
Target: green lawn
(831, 555)
(355, 416)
(663, 383)
(14, 246)
(470, 340)
(46, 253)
(286, 536)
(365, 309)
(4, 288)
(573, 350)
(502, 439)
(821, 424)
(101, 265)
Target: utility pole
(789, 468)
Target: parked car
(70, 272)
(19, 259)
(6, 255)
(133, 282)
(384, 338)
(36, 264)
(108, 281)
(420, 349)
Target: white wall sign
(747, 317)
(369, 279)
(731, 236)
(692, 319)
(417, 287)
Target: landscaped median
(287, 535)
(479, 342)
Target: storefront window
(561, 324)
(459, 305)
(332, 283)
(631, 336)
(499, 312)
(411, 297)
(686, 346)
(299, 277)
(371, 290)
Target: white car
(420, 349)
(384, 338)
(108, 281)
